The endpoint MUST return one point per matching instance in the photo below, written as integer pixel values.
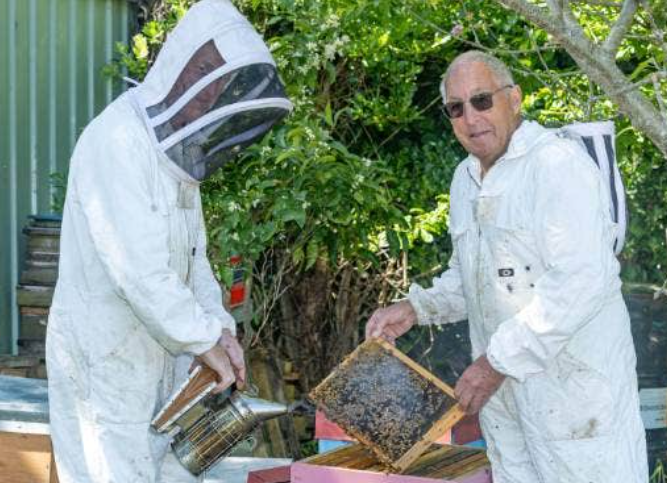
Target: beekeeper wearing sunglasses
(534, 272)
(135, 288)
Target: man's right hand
(391, 322)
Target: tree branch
(642, 113)
(555, 7)
(620, 29)
(658, 94)
(631, 87)
(658, 32)
(600, 3)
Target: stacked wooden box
(37, 282)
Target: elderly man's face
(484, 134)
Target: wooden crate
(26, 458)
(357, 464)
(20, 366)
(388, 402)
(25, 444)
(34, 296)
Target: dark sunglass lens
(482, 102)
(454, 109)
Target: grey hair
(498, 68)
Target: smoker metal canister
(215, 434)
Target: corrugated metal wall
(51, 53)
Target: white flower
(312, 46)
(309, 133)
(333, 20)
(330, 51)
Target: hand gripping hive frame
(388, 402)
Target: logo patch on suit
(505, 272)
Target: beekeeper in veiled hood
(135, 289)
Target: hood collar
(527, 135)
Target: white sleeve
(444, 301)
(572, 231)
(206, 287)
(113, 186)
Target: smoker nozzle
(301, 407)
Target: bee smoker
(206, 426)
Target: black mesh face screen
(205, 151)
(257, 81)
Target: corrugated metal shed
(51, 54)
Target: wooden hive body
(356, 463)
(388, 402)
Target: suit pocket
(570, 401)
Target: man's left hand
(235, 353)
(477, 384)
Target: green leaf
(139, 46)
(383, 39)
(297, 256)
(296, 215)
(328, 117)
(394, 242)
(226, 275)
(312, 253)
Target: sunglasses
(481, 102)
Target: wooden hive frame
(350, 411)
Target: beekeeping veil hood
(212, 91)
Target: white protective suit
(534, 272)
(135, 288)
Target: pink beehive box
(356, 464)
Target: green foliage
(58, 182)
(364, 75)
(364, 162)
(659, 474)
(303, 192)
(137, 57)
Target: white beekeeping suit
(534, 271)
(135, 289)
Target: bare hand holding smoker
(226, 359)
